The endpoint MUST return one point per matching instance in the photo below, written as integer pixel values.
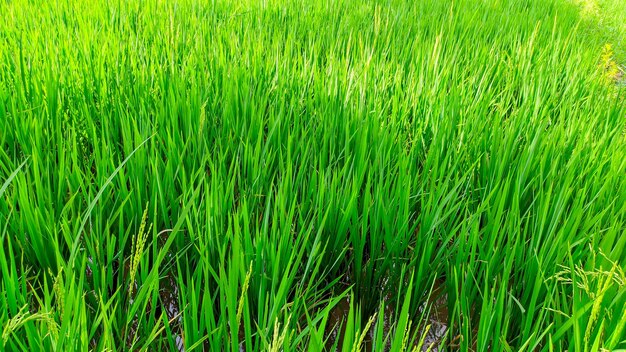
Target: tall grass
(288, 176)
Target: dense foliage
(304, 175)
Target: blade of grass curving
(6, 183)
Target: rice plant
(281, 175)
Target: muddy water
(437, 317)
(336, 319)
(435, 308)
(169, 294)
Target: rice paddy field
(282, 175)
